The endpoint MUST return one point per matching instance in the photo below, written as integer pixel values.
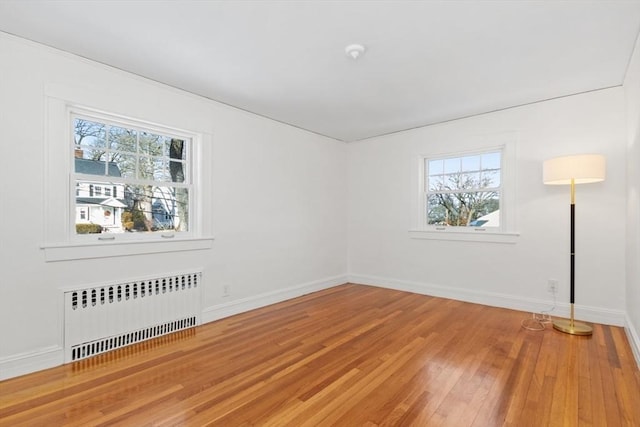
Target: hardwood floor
(347, 356)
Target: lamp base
(572, 327)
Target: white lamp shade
(582, 168)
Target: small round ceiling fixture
(354, 51)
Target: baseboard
(231, 308)
(634, 339)
(514, 302)
(25, 363)
(49, 357)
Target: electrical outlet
(226, 290)
(552, 286)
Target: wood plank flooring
(352, 355)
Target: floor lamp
(572, 170)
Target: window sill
(77, 251)
(478, 235)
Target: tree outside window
(464, 191)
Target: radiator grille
(106, 317)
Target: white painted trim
(633, 337)
(514, 302)
(477, 235)
(73, 251)
(60, 241)
(25, 363)
(242, 305)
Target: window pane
(452, 165)
(152, 144)
(88, 133)
(141, 208)
(436, 183)
(491, 178)
(98, 208)
(122, 139)
(88, 166)
(469, 180)
(462, 181)
(491, 161)
(153, 208)
(470, 163)
(160, 170)
(123, 165)
(176, 148)
(436, 167)
(177, 171)
(472, 209)
(147, 167)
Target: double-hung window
(467, 195)
(130, 180)
(463, 190)
(117, 185)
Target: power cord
(538, 321)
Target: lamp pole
(571, 326)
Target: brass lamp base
(569, 326)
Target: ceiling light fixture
(354, 51)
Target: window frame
(506, 232)
(60, 242)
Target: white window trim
(59, 213)
(506, 233)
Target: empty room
(320, 213)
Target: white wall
(278, 202)
(511, 275)
(632, 92)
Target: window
(138, 177)
(469, 194)
(148, 167)
(463, 191)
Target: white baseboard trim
(634, 339)
(514, 302)
(231, 308)
(49, 357)
(25, 363)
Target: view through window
(464, 191)
(129, 179)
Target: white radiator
(102, 318)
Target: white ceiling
(426, 61)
